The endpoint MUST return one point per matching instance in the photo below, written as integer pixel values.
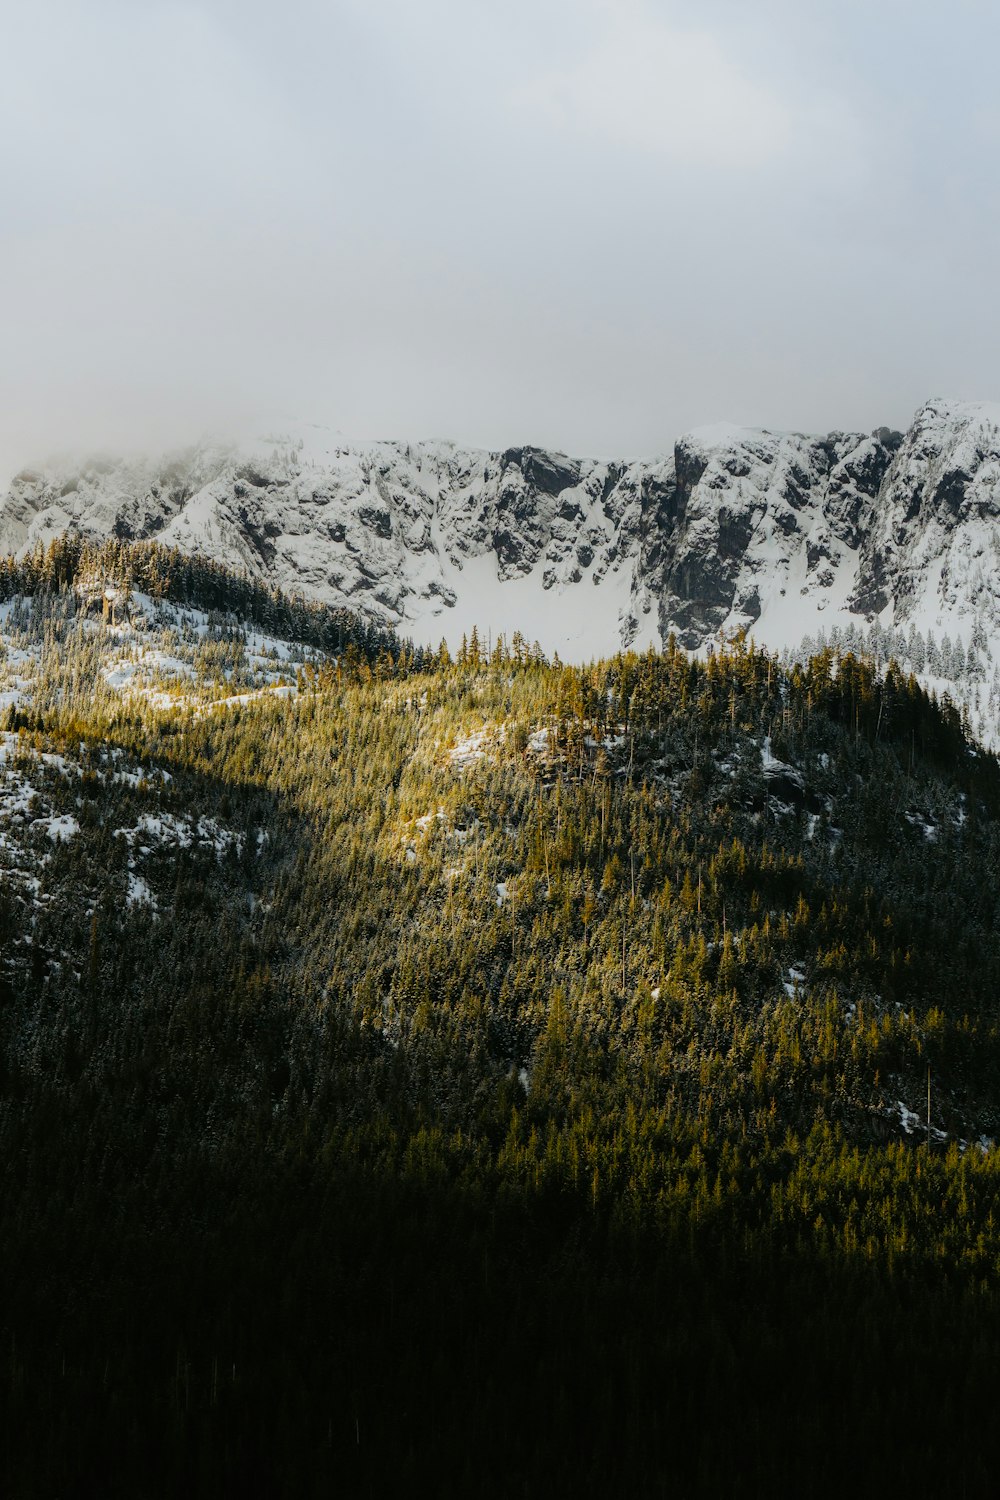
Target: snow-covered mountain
(789, 535)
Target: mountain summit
(783, 534)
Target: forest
(464, 1072)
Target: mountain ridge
(780, 534)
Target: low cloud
(572, 222)
(647, 85)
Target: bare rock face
(777, 533)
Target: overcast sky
(570, 222)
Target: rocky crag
(790, 536)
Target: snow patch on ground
(470, 749)
(62, 829)
(166, 829)
(139, 893)
(915, 1124)
(794, 980)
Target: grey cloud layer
(583, 225)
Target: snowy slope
(430, 537)
(932, 549)
(768, 531)
(789, 536)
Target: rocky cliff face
(780, 533)
(931, 546)
(761, 522)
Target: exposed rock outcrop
(776, 532)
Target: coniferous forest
(464, 1074)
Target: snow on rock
(62, 829)
(139, 893)
(932, 545)
(428, 820)
(542, 742)
(582, 555)
(431, 537)
(165, 829)
(915, 1124)
(922, 824)
(470, 749)
(794, 980)
(767, 532)
(780, 534)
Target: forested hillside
(478, 1075)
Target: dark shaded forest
(488, 1077)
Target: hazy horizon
(589, 227)
(287, 426)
